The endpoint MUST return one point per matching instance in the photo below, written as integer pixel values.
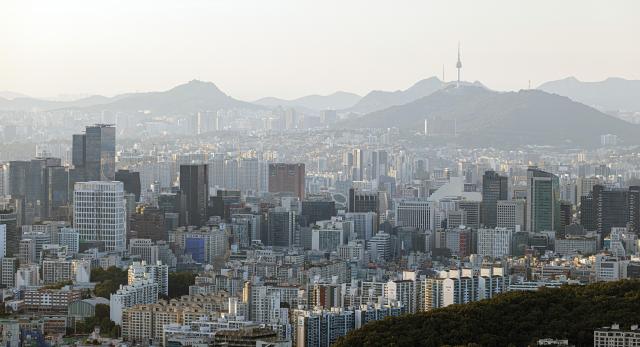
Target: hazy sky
(292, 48)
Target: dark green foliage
(179, 283)
(100, 319)
(108, 281)
(515, 318)
(58, 285)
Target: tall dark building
(148, 223)
(543, 201)
(94, 153)
(18, 178)
(281, 229)
(29, 182)
(494, 187)
(194, 194)
(9, 219)
(131, 181)
(606, 208)
(220, 205)
(316, 210)
(56, 193)
(588, 218)
(287, 178)
(472, 211)
(363, 201)
(566, 216)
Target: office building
(363, 201)
(281, 228)
(94, 153)
(511, 214)
(494, 243)
(194, 194)
(148, 223)
(131, 182)
(3, 240)
(27, 251)
(543, 201)
(145, 249)
(607, 208)
(494, 187)
(99, 213)
(289, 178)
(472, 212)
(418, 214)
(365, 224)
(8, 218)
(8, 267)
(69, 238)
(316, 210)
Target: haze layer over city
(291, 173)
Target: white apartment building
(614, 337)
(157, 272)
(140, 292)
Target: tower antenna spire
(458, 65)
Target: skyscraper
(363, 201)
(281, 228)
(358, 165)
(543, 200)
(494, 188)
(56, 192)
(12, 235)
(194, 194)
(131, 181)
(287, 178)
(94, 153)
(606, 208)
(99, 213)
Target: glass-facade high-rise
(94, 153)
(543, 200)
(494, 187)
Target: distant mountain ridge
(34, 104)
(336, 101)
(486, 117)
(612, 94)
(185, 98)
(9, 95)
(378, 99)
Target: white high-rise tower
(99, 213)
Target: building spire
(458, 65)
